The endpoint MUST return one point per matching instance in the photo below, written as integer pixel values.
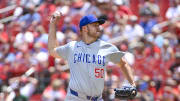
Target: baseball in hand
(56, 16)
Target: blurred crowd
(148, 29)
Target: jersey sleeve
(114, 55)
(64, 51)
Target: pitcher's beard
(94, 36)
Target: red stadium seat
(36, 97)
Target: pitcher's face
(93, 30)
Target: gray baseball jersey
(87, 64)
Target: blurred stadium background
(149, 29)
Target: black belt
(88, 97)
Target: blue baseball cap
(88, 19)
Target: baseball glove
(125, 93)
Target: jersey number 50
(99, 72)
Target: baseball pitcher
(87, 60)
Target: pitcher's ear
(84, 28)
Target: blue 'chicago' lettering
(99, 59)
(75, 55)
(79, 57)
(89, 58)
